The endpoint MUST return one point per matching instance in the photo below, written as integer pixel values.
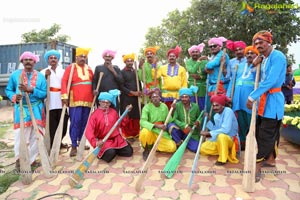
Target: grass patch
(7, 179)
(4, 126)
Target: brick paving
(118, 181)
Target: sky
(119, 25)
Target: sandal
(265, 164)
(218, 163)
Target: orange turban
(263, 35)
(151, 49)
(128, 56)
(176, 51)
(82, 51)
(251, 48)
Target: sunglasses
(213, 46)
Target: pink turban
(176, 51)
(200, 48)
(29, 55)
(109, 52)
(218, 41)
(233, 45)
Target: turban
(233, 45)
(154, 90)
(219, 98)
(110, 96)
(128, 56)
(219, 41)
(176, 51)
(82, 51)
(199, 48)
(51, 53)
(263, 35)
(151, 49)
(188, 91)
(108, 52)
(29, 55)
(251, 48)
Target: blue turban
(188, 91)
(51, 53)
(110, 96)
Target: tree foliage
(45, 35)
(205, 19)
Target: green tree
(205, 19)
(45, 35)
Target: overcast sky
(119, 25)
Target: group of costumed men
(208, 84)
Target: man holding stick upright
(35, 85)
(130, 95)
(80, 97)
(271, 100)
(152, 122)
(55, 72)
(195, 67)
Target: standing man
(112, 77)
(100, 123)
(243, 86)
(80, 96)
(151, 63)
(271, 99)
(197, 76)
(238, 48)
(130, 95)
(55, 72)
(173, 77)
(152, 121)
(287, 87)
(185, 117)
(213, 67)
(35, 84)
(223, 132)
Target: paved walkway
(117, 179)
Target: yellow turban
(128, 56)
(82, 51)
(152, 49)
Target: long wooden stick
(83, 167)
(233, 82)
(138, 87)
(251, 147)
(144, 83)
(47, 130)
(79, 155)
(151, 155)
(58, 133)
(40, 140)
(26, 175)
(196, 94)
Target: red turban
(176, 51)
(263, 35)
(251, 48)
(219, 98)
(233, 45)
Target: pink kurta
(100, 123)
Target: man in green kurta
(197, 76)
(152, 121)
(185, 117)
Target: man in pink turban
(173, 77)
(112, 77)
(195, 66)
(238, 48)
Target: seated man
(185, 116)
(100, 123)
(223, 133)
(152, 121)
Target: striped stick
(84, 166)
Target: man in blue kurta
(184, 118)
(271, 99)
(223, 132)
(35, 84)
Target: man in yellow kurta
(173, 77)
(223, 133)
(152, 121)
